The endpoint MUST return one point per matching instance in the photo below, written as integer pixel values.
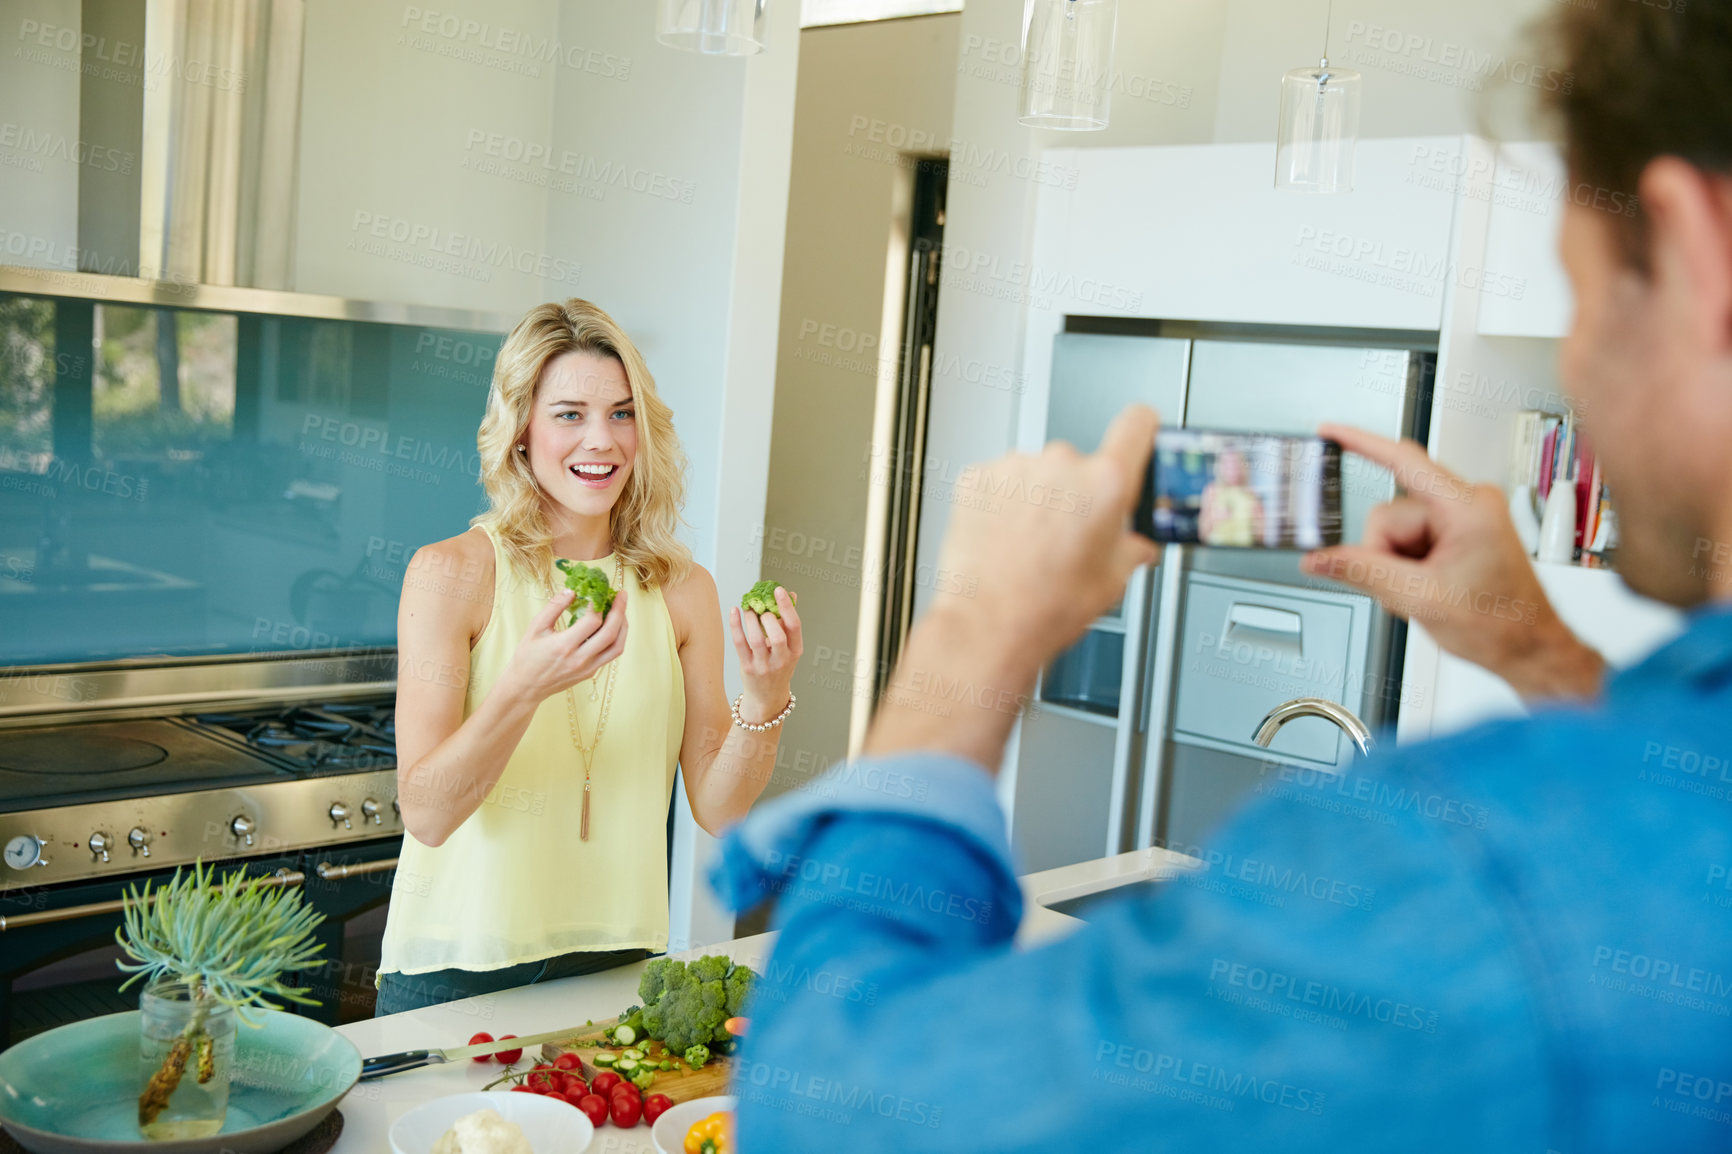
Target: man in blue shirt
(1516, 939)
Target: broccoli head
(737, 986)
(686, 1004)
(654, 980)
(688, 1012)
(710, 968)
(591, 586)
(761, 598)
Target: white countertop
(371, 1107)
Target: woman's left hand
(769, 648)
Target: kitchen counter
(371, 1107)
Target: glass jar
(186, 1051)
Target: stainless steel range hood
(208, 99)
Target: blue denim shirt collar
(1700, 658)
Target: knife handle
(396, 1063)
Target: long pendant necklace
(587, 752)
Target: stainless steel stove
(113, 775)
(102, 799)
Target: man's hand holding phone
(1043, 550)
(1445, 554)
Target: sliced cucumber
(624, 1034)
(605, 1058)
(638, 1054)
(626, 1066)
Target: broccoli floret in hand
(591, 586)
(761, 598)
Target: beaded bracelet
(770, 724)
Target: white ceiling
(814, 13)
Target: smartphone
(1242, 491)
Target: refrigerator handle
(1161, 676)
(1128, 735)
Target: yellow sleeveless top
(514, 883)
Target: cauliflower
(483, 1132)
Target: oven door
(351, 886)
(58, 953)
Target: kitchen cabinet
(1199, 232)
(1527, 293)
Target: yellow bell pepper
(714, 1135)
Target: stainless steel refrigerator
(1143, 732)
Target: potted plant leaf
(207, 952)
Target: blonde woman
(535, 762)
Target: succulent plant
(230, 943)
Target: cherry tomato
(568, 1061)
(626, 1088)
(595, 1106)
(574, 1099)
(477, 1040)
(509, 1056)
(654, 1107)
(541, 1079)
(604, 1081)
(625, 1111)
(523, 1088)
(569, 1083)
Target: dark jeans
(399, 992)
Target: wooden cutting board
(681, 1085)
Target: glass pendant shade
(1067, 64)
(1319, 127)
(713, 27)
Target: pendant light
(712, 27)
(1067, 64)
(1319, 126)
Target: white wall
(1229, 55)
(651, 181)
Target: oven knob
(100, 843)
(370, 809)
(340, 813)
(243, 827)
(24, 851)
(139, 840)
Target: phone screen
(1242, 491)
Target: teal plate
(74, 1090)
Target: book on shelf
(1550, 449)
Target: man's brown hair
(1650, 78)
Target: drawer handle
(1264, 619)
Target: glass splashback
(180, 483)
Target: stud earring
(521, 449)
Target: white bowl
(669, 1133)
(552, 1126)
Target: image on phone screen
(1242, 491)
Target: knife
(414, 1059)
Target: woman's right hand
(551, 660)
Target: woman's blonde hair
(644, 518)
